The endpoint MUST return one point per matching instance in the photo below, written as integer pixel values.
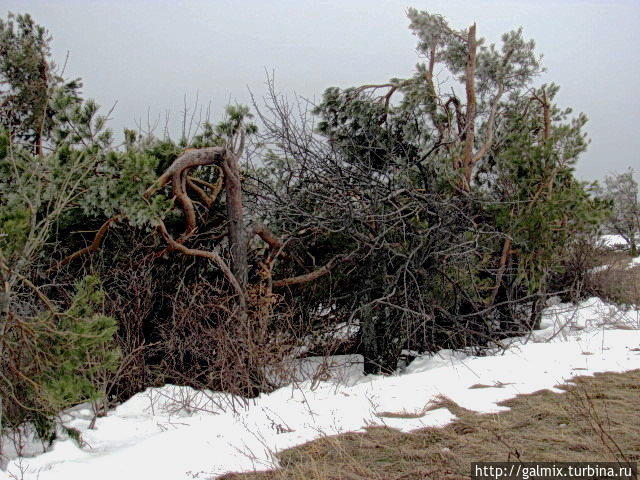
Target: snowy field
(177, 433)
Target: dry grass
(596, 419)
(495, 385)
(403, 414)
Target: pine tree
(32, 91)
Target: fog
(147, 56)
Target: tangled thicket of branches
(421, 213)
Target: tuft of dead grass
(595, 419)
(495, 385)
(403, 414)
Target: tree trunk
(42, 115)
(506, 247)
(237, 234)
(470, 89)
(381, 346)
(538, 305)
(4, 312)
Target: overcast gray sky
(147, 55)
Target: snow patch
(179, 433)
(613, 241)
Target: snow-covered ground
(613, 241)
(176, 433)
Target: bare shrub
(208, 344)
(578, 267)
(615, 279)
